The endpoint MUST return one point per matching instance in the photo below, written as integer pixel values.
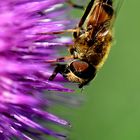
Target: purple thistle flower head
(23, 68)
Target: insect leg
(60, 68)
(64, 58)
(58, 32)
(55, 72)
(60, 59)
(75, 5)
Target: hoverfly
(91, 43)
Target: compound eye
(82, 69)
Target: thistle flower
(23, 70)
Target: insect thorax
(95, 53)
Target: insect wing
(117, 4)
(103, 16)
(103, 10)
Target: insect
(91, 43)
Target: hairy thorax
(95, 52)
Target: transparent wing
(117, 4)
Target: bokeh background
(111, 110)
(112, 107)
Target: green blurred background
(112, 107)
